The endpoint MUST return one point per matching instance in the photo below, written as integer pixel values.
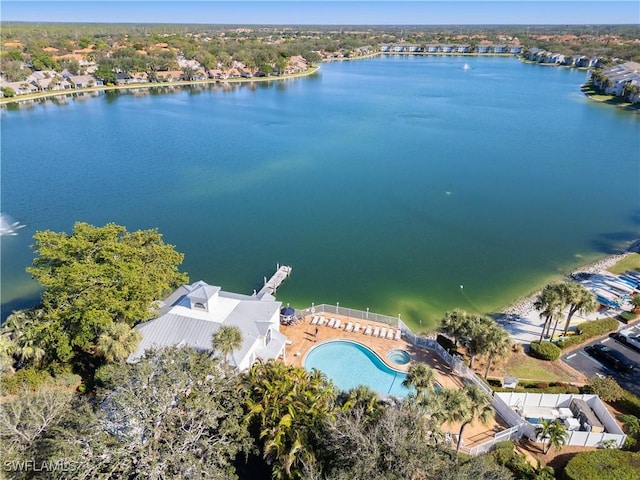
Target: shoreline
(131, 86)
(524, 306)
(610, 101)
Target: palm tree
(227, 339)
(480, 331)
(286, 406)
(117, 342)
(498, 344)
(540, 472)
(549, 303)
(421, 377)
(362, 398)
(450, 406)
(579, 299)
(454, 324)
(7, 348)
(555, 431)
(477, 405)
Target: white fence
(348, 312)
(502, 403)
(584, 439)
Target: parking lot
(583, 362)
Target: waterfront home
(515, 49)
(81, 81)
(170, 76)
(193, 313)
(20, 88)
(483, 48)
(618, 77)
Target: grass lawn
(630, 262)
(524, 367)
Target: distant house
(432, 48)
(193, 313)
(483, 48)
(515, 49)
(462, 48)
(535, 54)
(579, 61)
(621, 75)
(21, 88)
(170, 76)
(499, 49)
(446, 48)
(82, 81)
(216, 73)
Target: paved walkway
(527, 327)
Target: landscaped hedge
(545, 351)
(627, 317)
(589, 330)
(528, 386)
(603, 464)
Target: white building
(588, 422)
(193, 313)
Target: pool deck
(303, 339)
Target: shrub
(545, 351)
(606, 388)
(629, 403)
(25, 378)
(626, 317)
(589, 330)
(592, 465)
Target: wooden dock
(271, 285)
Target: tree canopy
(95, 277)
(175, 414)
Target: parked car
(610, 357)
(629, 338)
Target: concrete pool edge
(340, 340)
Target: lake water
(386, 183)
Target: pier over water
(271, 285)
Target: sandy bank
(525, 306)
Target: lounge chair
(314, 320)
(376, 331)
(332, 321)
(398, 334)
(390, 334)
(322, 320)
(349, 327)
(338, 323)
(356, 328)
(383, 332)
(367, 331)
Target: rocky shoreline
(525, 306)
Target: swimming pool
(349, 364)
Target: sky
(326, 12)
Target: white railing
(348, 312)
